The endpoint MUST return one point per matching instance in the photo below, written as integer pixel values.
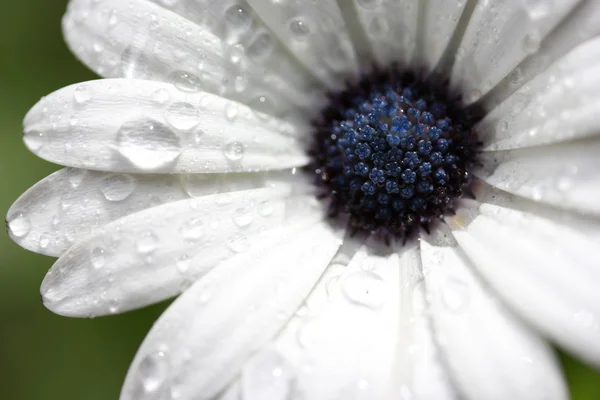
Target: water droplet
(456, 294)
(265, 208)
(267, 375)
(75, 176)
(82, 94)
(152, 370)
(238, 243)
(299, 28)
(148, 144)
(234, 151)
(182, 116)
(198, 185)
(531, 43)
(537, 9)
(231, 111)
(161, 96)
(183, 263)
(378, 27)
(185, 81)
(243, 217)
(34, 140)
(19, 225)
(261, 47)
(193, 230)
(235, 53)
(98, 257)
(117, 187)
(113, 306)
(240, 83)
(237, 19)
(147, 243)
(44, 240)
(364, 288)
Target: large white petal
(70, 204)
(392, 28)
(579, 26)
(565, 175)
(344, 344)
(314, 31)
(440, 21)
(201, 342)
(560, 104)
(246, 36)
(153, 254)
(490, 353)
(127, 125)
(499, 36)
(546, 267)
(139, 39)
(422, 372)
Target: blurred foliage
(43, 355)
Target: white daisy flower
(297, 169)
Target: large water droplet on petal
(234, 151)
(34, 140)
(147, 243)
(237, 19)
(185, 81)
(19, 225)
(152, 371)
(193, 230)
(198, 185)
(182, 116)
(98, 257)
(117, 187)
(148, 144)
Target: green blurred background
(42, 355)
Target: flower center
(393, 151)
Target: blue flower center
(393, 151)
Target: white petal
(344, 344)
(490, 353)
(391, 27)
(440, 21)
(204, 338)
(579, 26)
(246, 37)
(560, 104)
(127, 125)
(422, 372)
(546, 267)
(73, 203)
(139, 39)
(154, 254)
(315, 33)
(564, 175)
(499, 36)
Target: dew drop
(113, 306)
(161, 96)
(368, 4)
(183, 263)
(364, 288)
(238, 243)
(117, 187)
(75, 176)
(193, 230)
(456, 294)
(147, 243)
(182, 116)
(261, 47)
(531, 43)
(185, 81)
(537, 9)
(265, 208)
(198, 185)
(267, 375)
(82, 94)
(237, 19)
(243, 217)
(299, 28)
(231, 111)
(152, 370)
(45, 240)
(98, 257)
(148, 144)
(234, 151)
(34, 140)
(20, 225)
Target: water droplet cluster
(393, 151)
